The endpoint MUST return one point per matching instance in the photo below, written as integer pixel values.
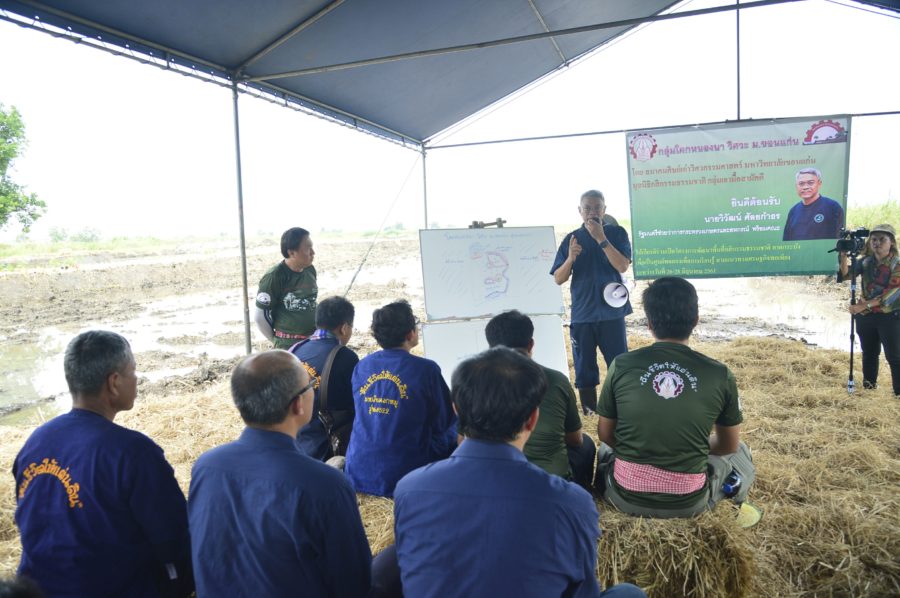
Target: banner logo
(825, 131)
(642, 147)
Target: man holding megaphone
(593, 256)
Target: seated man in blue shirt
(557, 445)
(404, 418)
(98, 508)
(486, 522)
(265, 519)
(334, 327)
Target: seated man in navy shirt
(266, 520)
(404, 418)
(98, 508)
(486, 522)
(330, 363)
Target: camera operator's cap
(884, 228)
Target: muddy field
(181, 307)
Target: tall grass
(868, 216)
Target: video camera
(851, 241)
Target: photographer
(876, 313)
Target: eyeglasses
(591, 209)
(302, 391)
(807, 183)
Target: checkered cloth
(638, 477)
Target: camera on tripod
(852, 242)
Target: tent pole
(425, 188)
(737, 16)
(240, 198)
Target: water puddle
(169, 336)
(766, 306)
(176, 329)
(33, 372)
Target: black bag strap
(323, 379)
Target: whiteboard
(448, 343)
(478, 272)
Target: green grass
(30, 254)
(9, 250)
(868, 216)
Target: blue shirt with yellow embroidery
(403, 420)
(98, 510)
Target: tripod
(851, 385)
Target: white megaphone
(616, 293)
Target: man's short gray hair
(90, 359)
(263, 386)
(594, 194)
(814, 171)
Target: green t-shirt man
(558, 416)
(665, 399)
(290, 298)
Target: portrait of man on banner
(814, 216)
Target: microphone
(595, 219)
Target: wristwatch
(604, 243)
(868, 305)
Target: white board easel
(471, 275)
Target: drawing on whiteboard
(495, 278)
(480, 272)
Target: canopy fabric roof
(408, 100)
(402, 69)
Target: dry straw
(828, 475)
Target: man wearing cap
(593, 256)
(657, 407)
(814, 216)
(97, 505)
(286, 299)
(265, 519)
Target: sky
(131, 150)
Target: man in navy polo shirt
(814, 216)
(98, 508)
(266, 520)
(334, 327)
(593, 256)
(486, 522)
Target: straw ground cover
(828, 474)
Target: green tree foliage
(14, 201)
